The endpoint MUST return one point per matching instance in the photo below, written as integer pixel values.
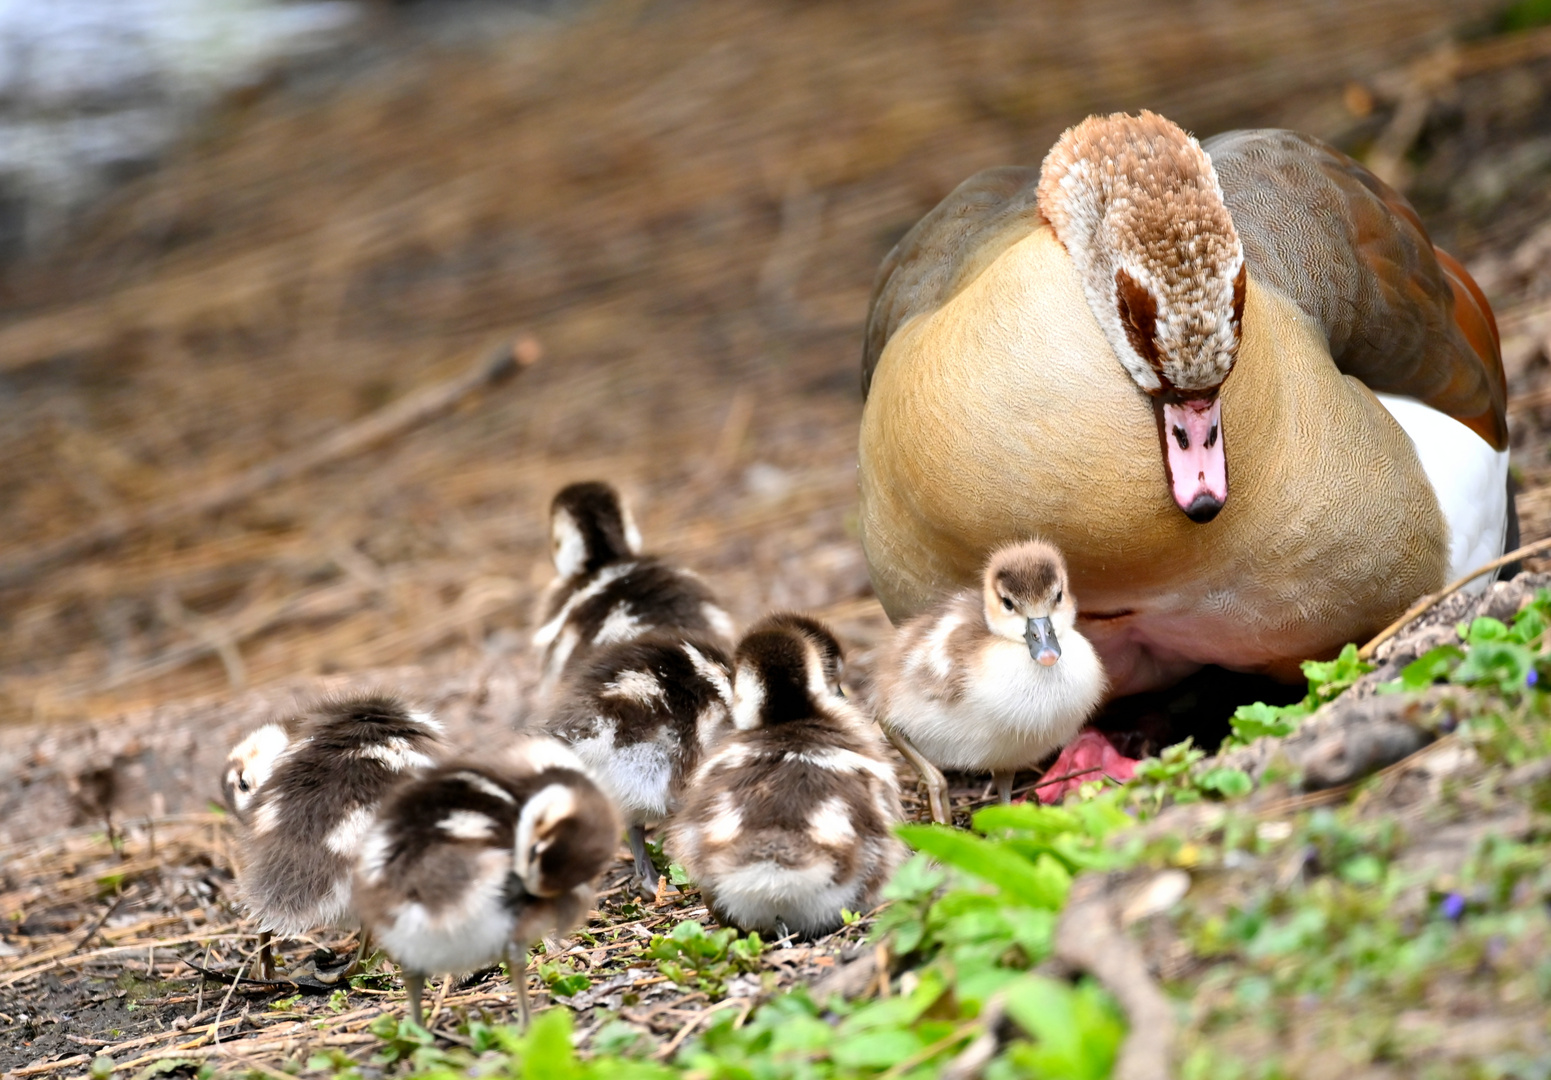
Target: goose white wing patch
(1469, 478)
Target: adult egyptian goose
(606, 591)
(990, 679)
(309, 801)
(473, 860)
(640, 714)
(1233, 381)
(789, 820)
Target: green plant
(704, 961)
(1327, 680)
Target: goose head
(1027, 598)
(589, 527)
(1136, 203)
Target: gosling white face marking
(568, 546)
(748, 698)
(539, 817)
(467, 825)
(346, 837)
(251, 763)
(818, 681)
(632, 533)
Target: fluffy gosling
(640, 714)
(991, 680)
(471, 861)
(303, 792)
(606, 591)
(789, 820)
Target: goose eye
(1006, 603)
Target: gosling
(605, 591)
(472, 861)
(789, 821)
(640, 715)
(303, 806)
(991, 682)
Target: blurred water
(94, 90)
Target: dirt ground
(683, 205)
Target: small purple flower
(1532, 678)
(1453, 906)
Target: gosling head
(250, 763)
(568, 829)
(589, 527)
(778, 676)
(1027, 598)
(822, 637)
(1136, 203)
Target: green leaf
(549, 1055)
(1042, 884)
(875, 1049)
(1229, 783)
(1327, 678)
(1431, 666)
(1251, 722)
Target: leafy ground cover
(1405, 931)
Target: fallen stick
(1425, 604)
(409, 412)
(1088, 938)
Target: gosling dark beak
(1043, 646)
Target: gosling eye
(1007, 603)
(1060, 593)
(242, 783)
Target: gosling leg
(1003, 786)
(266, 956)
(644, 870)
(931, 775)
(414, 986)
(517, 971)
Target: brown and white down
(789, 820)
(640, 714)
(991, 679)
(474, 860)
(313, 784)
(605, 591)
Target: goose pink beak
(1193, 454)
